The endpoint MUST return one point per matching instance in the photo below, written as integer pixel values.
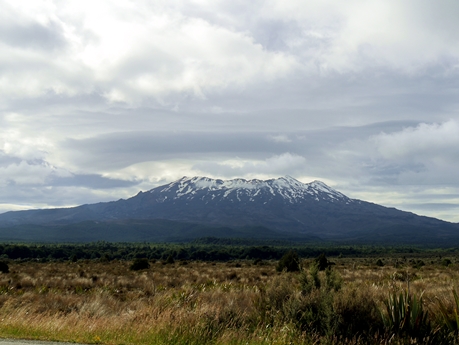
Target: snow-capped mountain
(283, 205)
(239, 190)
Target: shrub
(322, 262)
(315, 313)
(418, 264)
(323, 309)
(258, 262)
(314, 272)
(357, 313)
(170, 260)
(4, 267)
(290, 262)
(139, 264)
(278, 293)
(333, 280)
(446, 262)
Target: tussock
(215, 303)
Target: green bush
(170, 260)
(357, 313)
(333, 280)
(322, 262)
(379, 263)
(418, 264)
(446, 262)
(322, 308)
(312, 281)
(139, 264)
(290, 262)
(4, 267)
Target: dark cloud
(89, 181)
(33, 36)
(125, 148)
(6, 160)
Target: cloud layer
(101, 99)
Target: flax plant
(451, 320)
(405, 315)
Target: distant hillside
(151, 230)
(199, 206)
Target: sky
(102, 99)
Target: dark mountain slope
(284, 205)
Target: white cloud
(424, 142)
(429, 200)
(153, 173)
(147, 92)
(15, 144)
(132, 53)
(173, 169)
(149, 51)
(281, 138)
(277, 165)
(356, 35)
(25, 173)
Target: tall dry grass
(208, 303)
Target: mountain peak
(284, 205)
(241, 190)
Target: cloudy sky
(101, 99)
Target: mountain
(283, 207)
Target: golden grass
(196, 303)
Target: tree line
(204, 249)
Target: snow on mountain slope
(206, 189)
(284, 205)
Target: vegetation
(290, 262)
(216, 249)
(139, 264)
(175, 300)
(405, 316)
(322, 262)
(4, 268)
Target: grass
(229, 303)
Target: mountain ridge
(288, 187)
(284, 205)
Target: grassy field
(358, 301)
